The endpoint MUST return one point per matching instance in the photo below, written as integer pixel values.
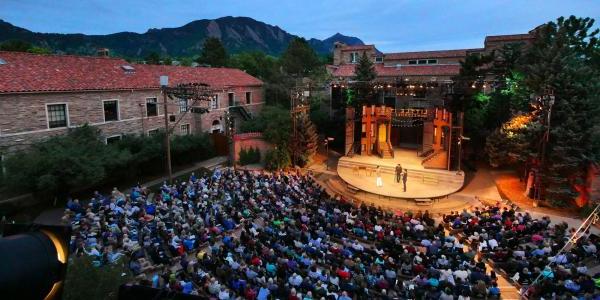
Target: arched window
(216, 127)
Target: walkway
(208, 164)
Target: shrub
(80, 159)
(277, 158)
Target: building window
(412, 62)
(231, 98)
(379, 59)
(111, 110)
(151, 107)
(214, 102)
(152, 132)
(185, 129)
(432, 61)
(422, 62)
(113, 139)
(57, 115)
(434, 134)
(183, 105)
(216, 126)
(248, 97)
(354, 57)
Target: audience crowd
(252, 235)
(529, 249)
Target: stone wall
(250, 140)
(23, 117)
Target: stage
(359, 173)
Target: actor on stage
(398, 173)
(378, 174)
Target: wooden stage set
(358, 172)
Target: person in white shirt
(224, 294)
(492, 243)
(461, 273)
(295, 280)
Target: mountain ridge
(238, 34)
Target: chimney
(102, 52)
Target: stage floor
(421, 182)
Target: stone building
(408, 100)
(46, 95)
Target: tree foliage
(23, 46)
(299, 59)
(85, 281)
(275, 124)
(249, 156)
(81, 159)
(362, 93)
(213, 53)
(153, 58)
(365, 69)
(256, 64)
(564, 58)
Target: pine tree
(299, 59)
(213, 53)
(364, 75)
(365, 69)
(564, 58)
(304, 146)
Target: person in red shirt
(250, 293)
(256, 261)
(343, 274)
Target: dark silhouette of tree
(213, 53)
(152, 58)
(299, 59)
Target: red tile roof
(427, 54)
(25, 72)
(392, 71)
(508, 37)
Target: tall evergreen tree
(364, 71)
(305, 145)
(299, 59)
(364, 74)
(213, 53)
(564, 58)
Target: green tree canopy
(153, 58)
(365, 69)
(299, 59)
(15, 45)
(257, 64)
(213, 53)
(564, 59)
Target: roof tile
(26, 72)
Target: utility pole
(164, 83)
(191, 91)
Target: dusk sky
(392, 25)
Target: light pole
(164, 83)
(460, 139)
(546, 101)
(327, 141)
